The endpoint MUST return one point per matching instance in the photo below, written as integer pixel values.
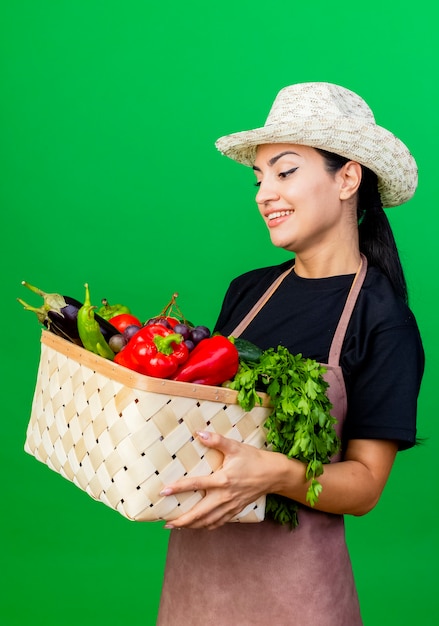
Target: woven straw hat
(332, 118)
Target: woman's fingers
(227, 490)
(214, 440)
(208, 513)
(197, 483)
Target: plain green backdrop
(109, 113)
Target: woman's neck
(327, 262)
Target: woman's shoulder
(243, 293)
(381, 303)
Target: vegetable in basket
(247, 350)
(154, 350)
(300, 425)
(89, 330)
(107, 310)
(123, 320)
(212, 362)
(59, 314)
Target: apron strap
(337, 342)
(340, 332)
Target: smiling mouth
(276, 214)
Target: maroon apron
(263, 574)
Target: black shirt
(382, 357)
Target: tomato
(123, 320)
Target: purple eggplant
(59, 315)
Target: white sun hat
(335, 119)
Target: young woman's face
(299, 200)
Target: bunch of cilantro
(300, 424)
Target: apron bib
(262, 574)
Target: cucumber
(247, 350)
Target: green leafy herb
(300, 424)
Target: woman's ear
(350, 179)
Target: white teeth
(273, 216)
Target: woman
(324, 170)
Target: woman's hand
(352, 486)
(242, 478)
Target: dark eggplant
(59, 315)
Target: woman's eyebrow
(273, 160)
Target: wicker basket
(121, 436)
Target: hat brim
(368, 144)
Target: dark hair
(376, 238)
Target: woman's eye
(287, 173)
(280, 175)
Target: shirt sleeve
(383, 389)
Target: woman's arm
(352, 486)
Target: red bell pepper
(213, 361)
(155, 351)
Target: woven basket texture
(121, 437)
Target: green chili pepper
(89, 330)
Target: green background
(109, 113)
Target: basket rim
(134, 380)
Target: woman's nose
(266, 192)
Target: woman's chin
(282, 242)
